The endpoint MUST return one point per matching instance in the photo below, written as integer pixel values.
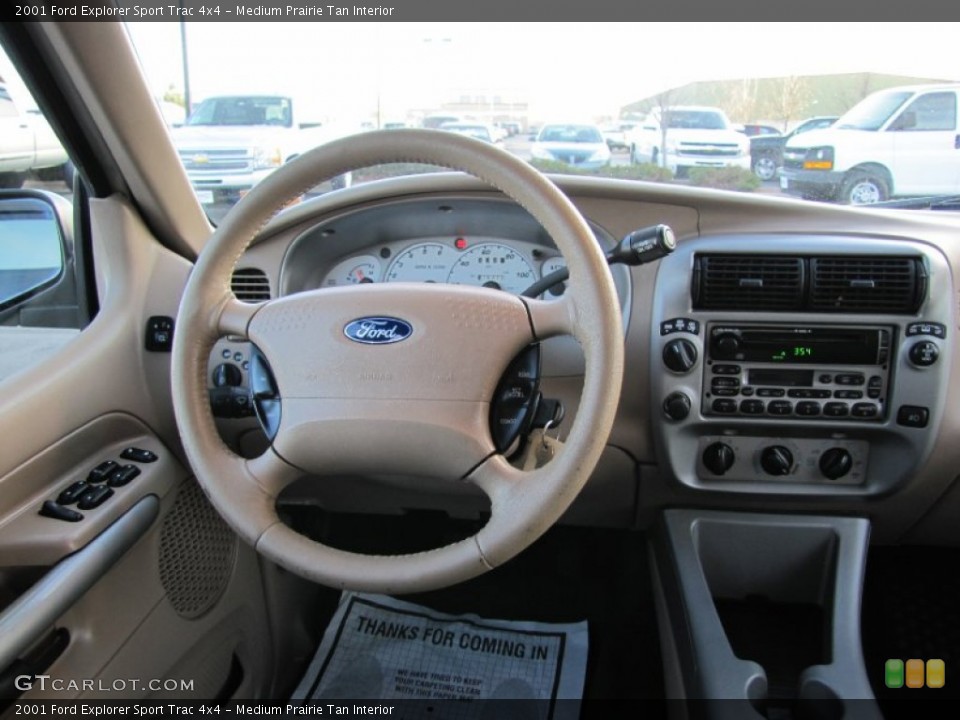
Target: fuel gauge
(357, 270)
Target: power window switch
(138, 455)
(73, 493)
(102, 471)
(94, 497)
(121, 477)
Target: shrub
(728, 178)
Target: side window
(933, 111)
(39, 308)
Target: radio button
(725, 406)
(825, 378)
(808, 408)
(725, 392)
(728, 382)
(849, 379)
(747, 391)
(865, 410)
(751, 407)
(779, 407)
(836, 409)
(726, 370)
(770, 392)
(848, 394)
(798, 393)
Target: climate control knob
(924, 353)
(718, 458)
(776, 460)
(676, 406)
(835, 463)
(680, 355)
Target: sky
(564, 69)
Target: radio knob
(726, 346)
(680, 355)
(676, 406)
(835, 463)
(776, 460)
(718, 458)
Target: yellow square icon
(936, 673)
(914, 673)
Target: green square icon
(893, 673)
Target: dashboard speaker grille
(197, 551)
(250, 285)
(748, 282)
(866, 284)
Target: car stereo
(813, 371)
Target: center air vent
(830, 283)
(748, 282)
(866, 284)
(250, 285)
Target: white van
(901, 141)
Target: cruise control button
(864, 410)
(779, 407)
(836, 409)
(808, 408)
(913, 416)
(751, 407)
(102, 471)
(725, 406)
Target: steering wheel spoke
(235, 316)
(271, 472)
(551, 317)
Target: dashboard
(787, 356)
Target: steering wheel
(417, 406)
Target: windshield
(872, 113)
(257, 94)
(242, 111)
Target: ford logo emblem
(378, 330)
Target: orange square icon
(936, 673)
(915, 673)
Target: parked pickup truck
(232, 142)
(28, 145)
(903, 141)
(689, 137)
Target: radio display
(781, 378)
(798, 345)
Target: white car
(577, 145)
(688, 137)
(480, 131)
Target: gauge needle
(359, 273)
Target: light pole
(186, 67)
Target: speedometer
(495, 266)
(427, 262)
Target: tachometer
(353, 271)
(493, 265)
(427, 262)
(551, 265)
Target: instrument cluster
(461, 260)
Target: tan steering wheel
(416, 407)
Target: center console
(820, 369)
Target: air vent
(250, 285)
(894, 285)
(748, 282)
